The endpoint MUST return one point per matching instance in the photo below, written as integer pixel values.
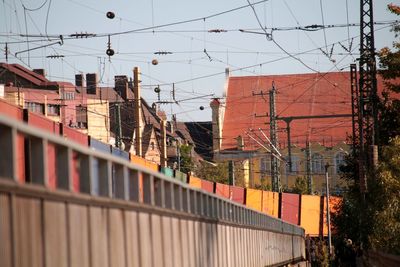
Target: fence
(137, 217)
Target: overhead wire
(33, 9)
(323, 23)
(270, 38)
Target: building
(310, 108)
(62, 102)
(106, 113)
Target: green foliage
(186, 161)
(385, 203)
(213, 172)
(374, 222)
(322, 255)
(263, 186)
(300, 185)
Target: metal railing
(107, 176)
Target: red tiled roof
(297, 95)
(33, 77)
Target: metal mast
(355, 109)
(368, 98)
(309, 168)
(276, 183)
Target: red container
(207, 186)
(48, 125)
(51, 166)
(41, 122)
(81, 139)
(74, 135)
(12, 111)
(222, 190)
(237, 194)
(289, 210)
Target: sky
(193, 59)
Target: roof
(199, 134)
(297, 95)
(148, 132)
(32, 77)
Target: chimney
(217, 119)
(163, 158)
(79, 80)
(240, 143)
(137, 112)
(41, 72)
(227, 75)
(91, 83)
(121, 86)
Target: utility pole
(138, 111)
(231, 171)
(289, 141)
(355, 109)
(289, 119)
(118, 134)
(275, 177)
(276, 183)
(368, 97)
(309, 167)
(328, 215)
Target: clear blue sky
(188, 62)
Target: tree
(217, 172)
(390, 72)
(385, 204)
(374, 221)
(186, 162)
(300, 185)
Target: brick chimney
(163, 157)
(41, 72)
(217, 123)
(240, 142)
(79, 80)
(121, 86)
(137, 112)
(91, 83)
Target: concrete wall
(137, 217)
(39, 227)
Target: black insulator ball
(157, 89)
(110, 52)
(110, 15)
(201, 108)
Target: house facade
(313, 115)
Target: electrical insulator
(157, 90)
(154, 62)
(110, 15)
(110, 52)
(201, 108)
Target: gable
(150, 145)
(297, 95)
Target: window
(81, 116)
(295, 164)
(317, 163)
(35, 107)
(152, 145)
(53, 110)
(339, 161)
(265, 166)
(68, 96)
